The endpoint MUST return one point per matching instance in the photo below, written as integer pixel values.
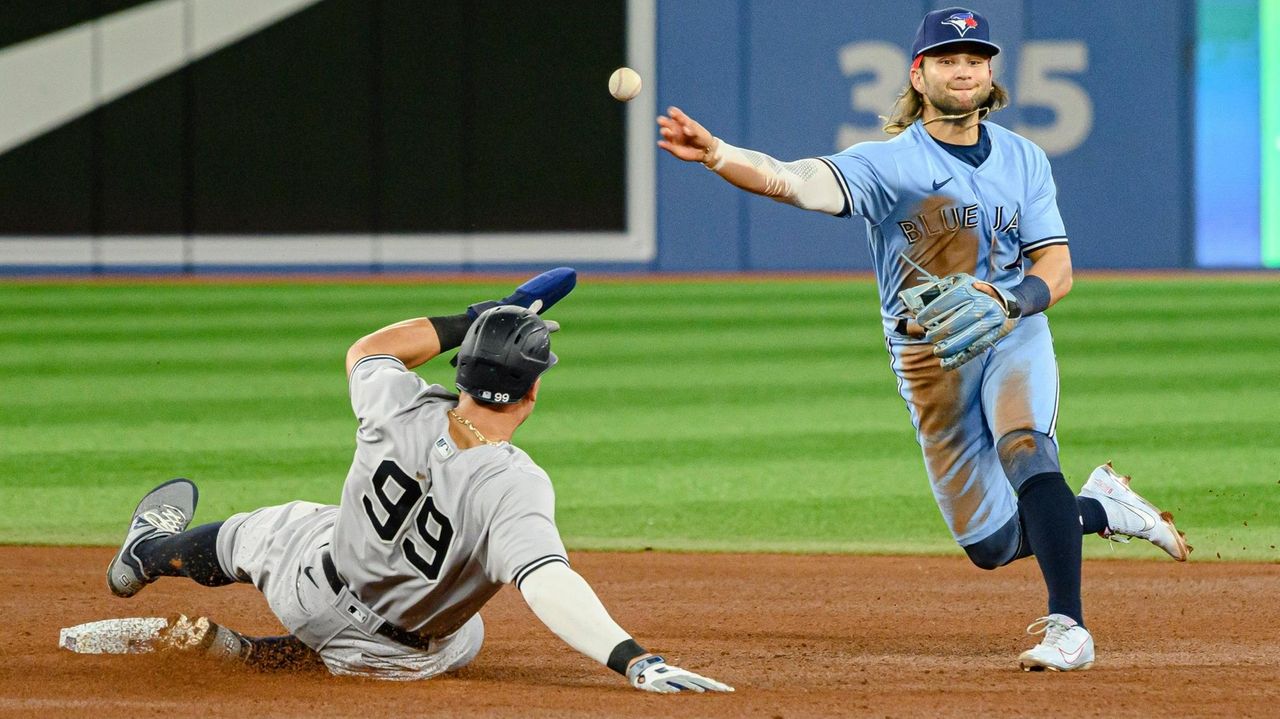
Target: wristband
(712, 158)
(622, 655)
(1031, 296)
(638, 668)
(451, 330)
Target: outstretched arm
(566, 604)
(808, 184)
(563, 600)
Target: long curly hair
(910, 106)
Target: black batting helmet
(503, 354)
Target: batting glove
(548, 288)
(653, 674)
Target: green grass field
(752, 415)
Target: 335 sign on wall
(1042, 79)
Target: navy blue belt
(388, 630)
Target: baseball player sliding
(438, 512)
(960, 203)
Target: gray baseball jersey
(426, 533)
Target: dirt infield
(798, 636)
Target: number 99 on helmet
(503, 354)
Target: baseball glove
(960, 321)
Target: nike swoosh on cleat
(1148, 521)
(307, 572)
(1071, 657)
(51, 80)
(938, 185)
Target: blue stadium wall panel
(1110, 105)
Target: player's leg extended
(1106, 505)
(158, 544)
(201, 635)
(192, 554)
(964, 472)
(965, 468)
(1118, 513)
(951, 416)
(279, 550)
(1020, 398)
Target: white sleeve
(521, 507)
(809, 184)
(380, 385)
(563, 600)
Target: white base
(131, 635)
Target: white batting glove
(653, 674)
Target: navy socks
(193, 553)
(1051, 519)
(1093, 518)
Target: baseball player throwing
(959, 204)
(438, 512)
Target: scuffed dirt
(799, 636)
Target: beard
(950, 105)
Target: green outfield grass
(753, 415)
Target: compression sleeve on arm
(808, 184)
(564, 602)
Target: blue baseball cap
(952, 26)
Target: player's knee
(468, 640)
(1025, 453)
(999, 548)
(983, 558)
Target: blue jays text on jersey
(950, 219)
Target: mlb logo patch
(443, 449)
(963, 22)
(357, 613)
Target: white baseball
(624, 84)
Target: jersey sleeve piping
(844, 188)
(526, 570)
(1046, 242)
(368, 358)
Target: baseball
(624, 84)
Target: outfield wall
(340, 134)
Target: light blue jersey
(949, 216)
(946, 215)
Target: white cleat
(1129, 515)
(1066, 647)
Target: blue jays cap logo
(930, 35)
(963, 22)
